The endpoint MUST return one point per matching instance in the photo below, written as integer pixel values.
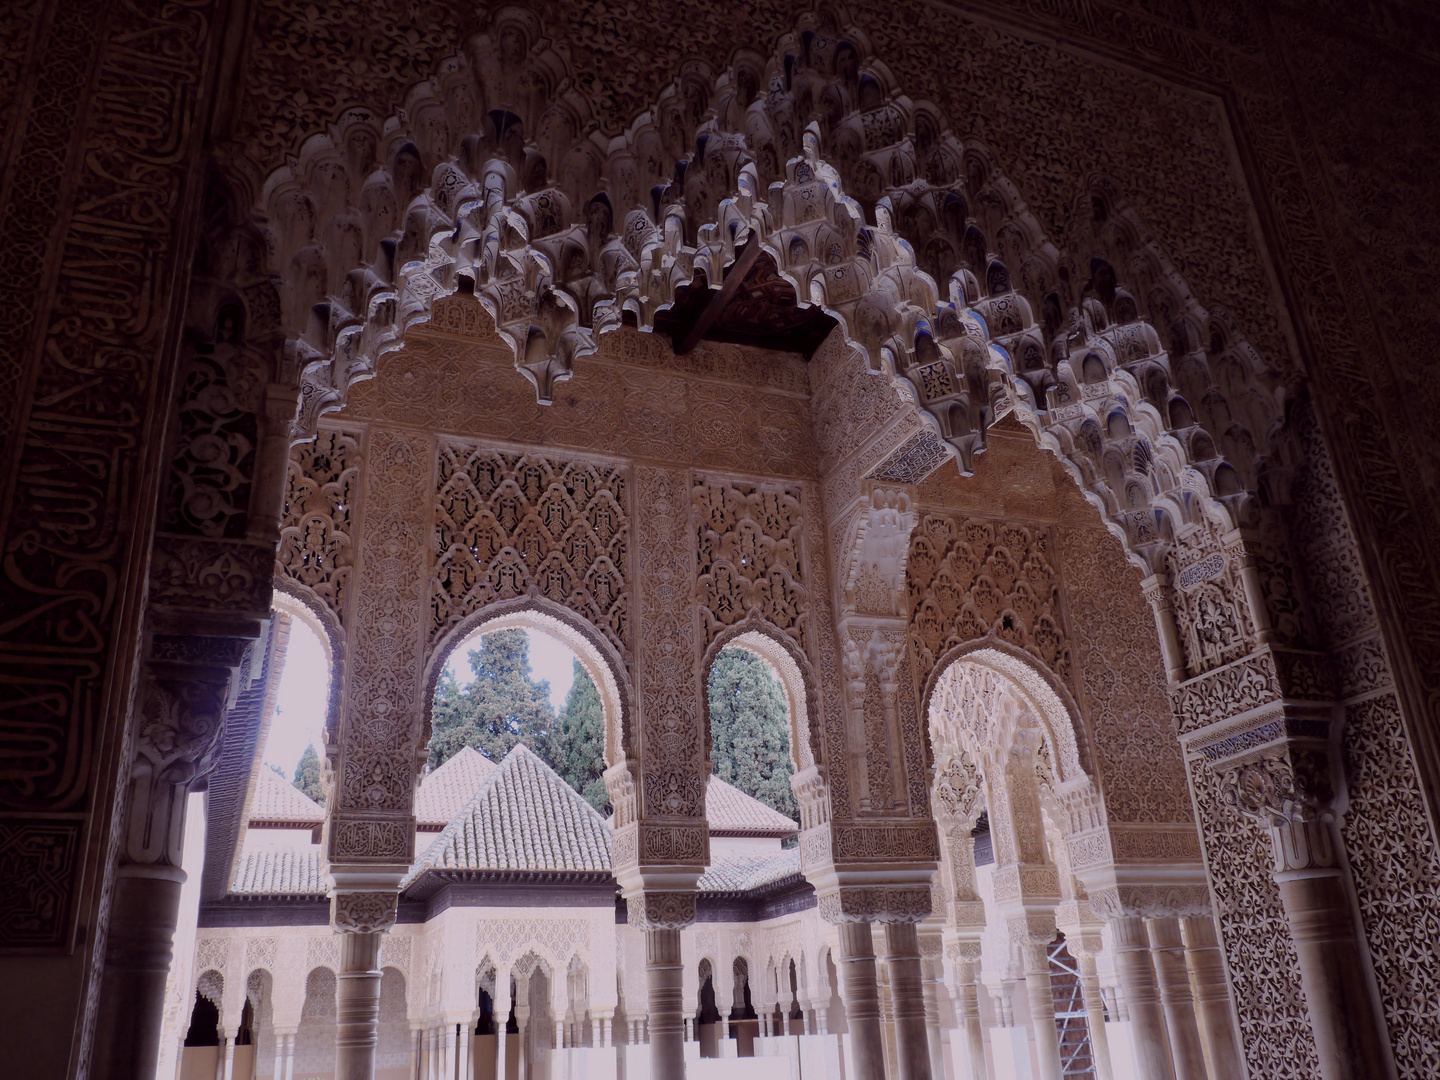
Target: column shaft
(862, 999)
(357, 1006)
(967, 1004)
(1041, 998)
(667, 1004)
(930, 969)
(502, 1018)
(1167, 951)
(907, 997)
(1137, 982)
(144, 911)
(1095, 1016)
(1212, 996)
(1347, 1031)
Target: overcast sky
(300, 701)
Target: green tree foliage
(307, 775)
(500, 707)
(579, 743)
(749, 729)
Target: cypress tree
(500, 707)
(579, 745)
(750, 729)
(307, 775)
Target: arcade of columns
(1028, 513)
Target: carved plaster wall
(1231, 221)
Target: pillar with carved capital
(907, 996)
(522, 1024)
(1033, 933)
(1212, 995)
(362, 919)
(965, 955)
(862, 999)
(1287, 788)
(227, 1057)
(501, 1013)
(1137, 982)
(932, 970)
(1084, 947)
(1167, 950)
(181, 718)
(660, 916)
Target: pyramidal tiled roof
(741, 873)
(446, 790)
(523, 817)
(733, 813)
(274, 871)
(276, 799)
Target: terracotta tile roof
(276, 799)
(445, 791)
(277, 871)
(733, 813)
(524, 817)
(742, 873)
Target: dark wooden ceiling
(756, 306)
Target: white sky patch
(300, 702)
(550, 659)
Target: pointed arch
(592, 648)
(756, 635)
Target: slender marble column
(1137, 982)
(502, 1019)
(1212, 996)
(357, 1005)
(930, 967)
(179, 703)
(1334, 977)
(1041, 997)
(606, 1020)
(862, 999)
(907, 996)
(967, 1007)
(447, 1052)
(522, 1022)
(465, 1035)
(1095, 1015)
(1167, 950)
(290, 1056)
(227, 1058)
(667, 1004)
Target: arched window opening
(750, 729)
(501, 687)
(245, 1036)
(204, 1027)
(294, 734)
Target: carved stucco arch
(1044, 695)
(594, 651)
(342, 312)
(790, 664)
